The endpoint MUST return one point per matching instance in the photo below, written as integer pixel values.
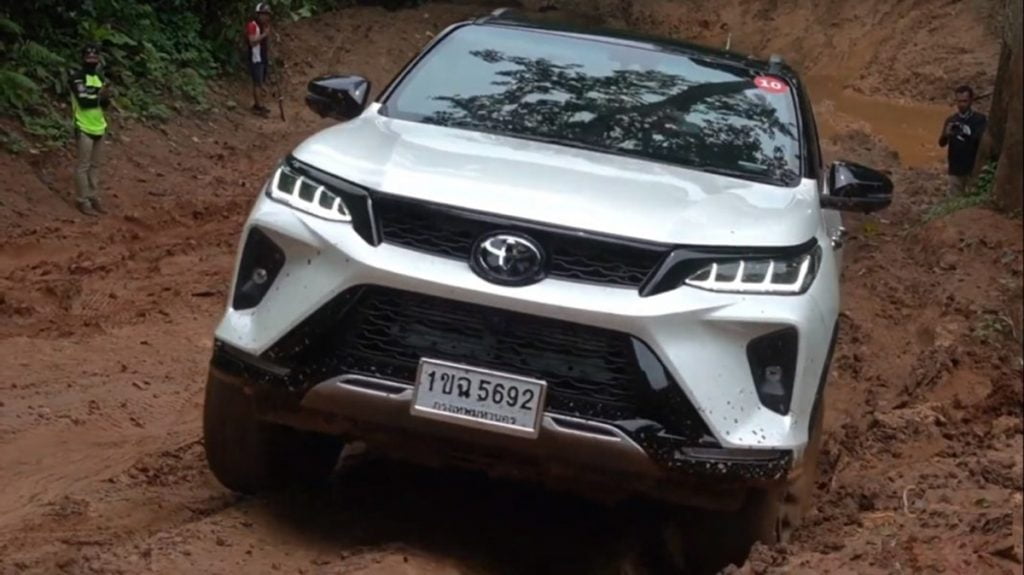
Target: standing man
(962, 134)
(257, 32)
(89, 96)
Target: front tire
(774, 514)
(251, 456)
(709, 542)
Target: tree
(1009, 187)
(1003, 138)
(992, 140)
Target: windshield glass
(629, 100)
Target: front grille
(572, 256)
(386, 332)
(591, 372)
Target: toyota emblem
(508, 259)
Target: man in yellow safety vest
(89, 96)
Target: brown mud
(105, 330)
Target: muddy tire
(709, 542)
(774, 514)
(252, 456)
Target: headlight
(787, 275)
(300, 192)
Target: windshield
(628, 100)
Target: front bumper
(698, 338)
(606, 459)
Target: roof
(514, 18)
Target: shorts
(258, 71)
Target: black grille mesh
(387, 332)
(571, 256)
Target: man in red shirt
(257, 32)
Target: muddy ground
(105, 330)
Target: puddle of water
(910, 129)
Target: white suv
(578, 256)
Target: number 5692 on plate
(479, 398)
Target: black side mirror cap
(338, 97)
(856, 188)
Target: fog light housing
(259, 276)
(772, 359)
(261, 262)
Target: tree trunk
(992, 140)
(1009, 180)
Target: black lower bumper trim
(741, 465)
(276, 389)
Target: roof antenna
(775, 62)
(728, 42)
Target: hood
(560, 185)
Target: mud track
(105, 330)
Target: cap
(90, 49)
(263, 8)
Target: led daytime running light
(306, 195)
(767, 276)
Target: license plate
(479, 398)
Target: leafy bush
(9, 28)
(12, 142)
(16, 90)
(986, 180)
(154, 53)
(51, 128)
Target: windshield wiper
(734, 173)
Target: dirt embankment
(913, 49)
(105, 329)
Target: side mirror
(338, 97)
(856, 188)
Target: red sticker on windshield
(771, 84)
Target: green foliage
(42, 65)
(9, 28)
(12, 142)
(140, 104)
(993, 327)
(16, 90)
(50, 127)
(190, 86)
(158, 56)
(979, 194)
(952, 205)
(986, 180)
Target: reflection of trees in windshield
(650, 113)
